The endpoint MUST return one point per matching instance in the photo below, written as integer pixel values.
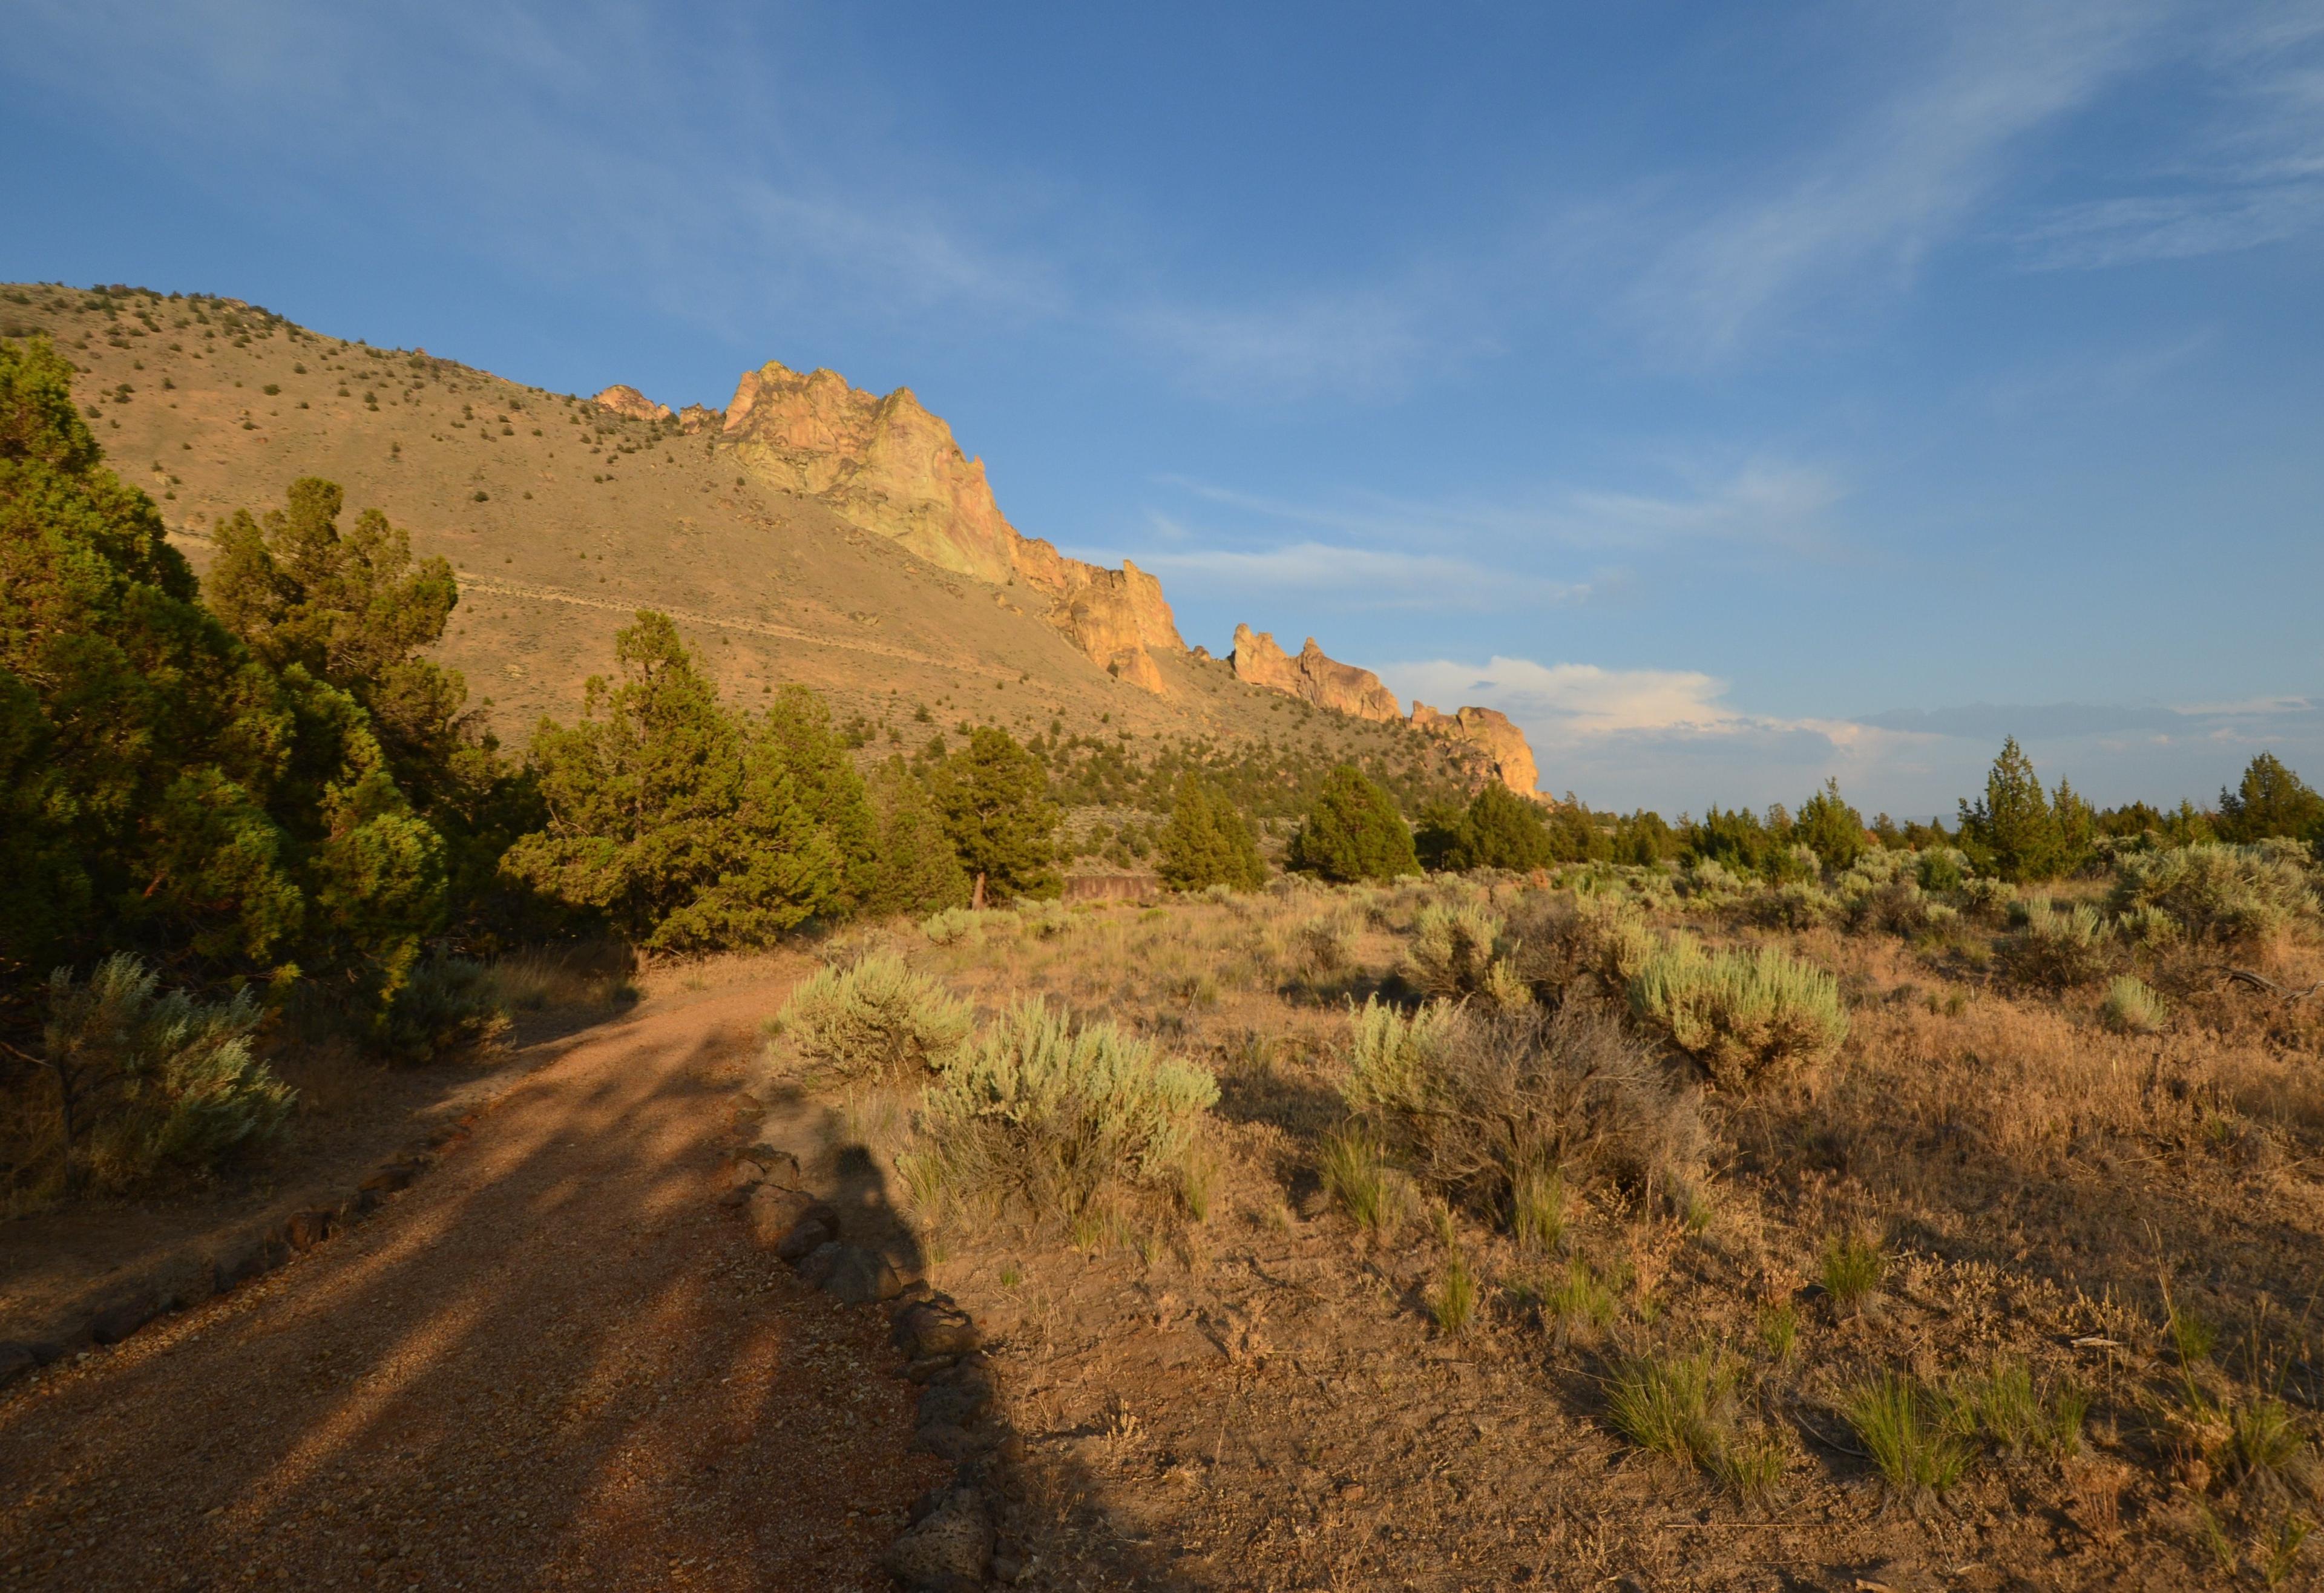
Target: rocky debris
(948, 1546)
(1324, 681)
(306, 1229)
(932, 1327)
(850, 1274)
(888, 466)
(625, 400)
(789, 1221)
(776, 1165)
(1502, 742)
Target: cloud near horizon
(1669, 739)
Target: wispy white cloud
(1867, 207)
(1360, 578)
(1774, 502)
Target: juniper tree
(1829, 827)
(1353, 831)
(161, 785)
(994, 796)
(2270, 800)
(1501, 829)
(1207, 842)
(680, 824)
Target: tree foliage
(1207, 842)
(1353, 831)
(2270, 801)
(1501, 829)
(915, 869)
(354, 611)
(994, 798)
(1829, 827)
(2019, 833)
(685, 826)
(163, 786)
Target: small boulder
(252, 1260)
(950, 1547)
(119, 1320)
(772, 1213)
(776, 1165)
(957, 1401)
(15, 1360)
(859, 1276)
(306, 1229)
(930, 1327)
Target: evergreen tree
(1501, 830)
(994, 798)
(1829, 827)
(1642, 839)
(1353, 831)
(1208, 842)
(1574, 834)
(1437, 833)
(915, 869)
(2270, 800)
(161, 787)
(2013, 831)
(352, 611)
(681, 825)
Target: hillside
(811, 534)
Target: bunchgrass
(1355, 1173)
(1853, 1268)
(1673, 1405)
(1453, 1303)
(1537, 1209)
(1918, 1435)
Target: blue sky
(1733, 395)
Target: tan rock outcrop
(1324, 681)
(1491, 732)
(889, 466)
(696, 418)
(623, 400)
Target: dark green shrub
(1501, 830)
(1829, 827)
(1207, 842)
(994, 798)
(1353, 831)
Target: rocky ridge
(625, 400)
(1490, 729)
(889, 466)
(1324, 681)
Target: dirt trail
(554, 1362)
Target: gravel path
(554, 1362)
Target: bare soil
(553, 1362)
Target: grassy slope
(596, 516)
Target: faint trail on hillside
(554, 1362)
(470, 582)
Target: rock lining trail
(553, 1362)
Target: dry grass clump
(1742, 1015)
(873, 1018)
(1484, 1109)
(1063, 1121)
(2220, 895)
(591, 974)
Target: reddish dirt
(554, 1362)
